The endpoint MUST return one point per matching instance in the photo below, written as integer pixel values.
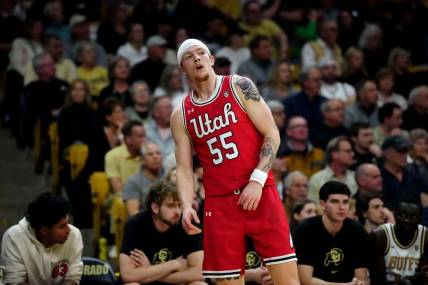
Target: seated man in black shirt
(155, 248)
(332, 249)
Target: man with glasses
(339, 157)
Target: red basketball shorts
(226, 226)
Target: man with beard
(155, 249)
(398, 251)
(227, 123)
(43, 248)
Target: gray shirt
(138, 186)
(167, 145)
(356, 113)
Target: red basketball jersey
(224, 138)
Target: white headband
(186, 45)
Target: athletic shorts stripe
(280, 259)
(222, 274)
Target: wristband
(259, 176)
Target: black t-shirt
(333, 258)
(141, 233)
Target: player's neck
(204, 89)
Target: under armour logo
(190, 111)
(226, 93)
(208, 214)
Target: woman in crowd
(295, 190)
(171, 84)
(119, 71)
(112, 31)
(385, 85)
(302, 210)
(354, 71)
(280, 84)
(134, 49)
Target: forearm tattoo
(249, 89)
(268, 151)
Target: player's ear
(212, 59)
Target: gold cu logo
(162, 256)
(334, 256)
(252, 260)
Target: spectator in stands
(112, 30)
(80, 29)
(365, 108)
(365, 150)
(64, 68)
(138, 186)
(331, 87)
(235, 51)
(298, 152)
(214, 34)
(333, 112)
(150, 69)
(25, 48)
(302, 211)
(401, 182)
(339, 157)
(158, 130)
(43, 99)
(369, 180)
(171, 84)
(141, 96)
(107, 135)
(280, 84)
(254, 24)
(43, 248)
(134, 49)
(390, 121)
(295, 190)
(325, 47)
(399, 63)
(123, 161)
(54, 15)
(372, 43)
(371, 211)
(96, 76)
(76, 125)
(416, 116)
(354, 67)
(156, 248)
(332, 248)
(419, 150)
(278, 112)
(119, 71)
(308, 102)
(393, 263)
(385, 85)
(181, 35)
(21, 54)
(222, 66)
(260, 64)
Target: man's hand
(139, 259)
(250, 196)
(266, 278)
(189, 215)
(181, 263)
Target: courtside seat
(97, 272)
(77, 156)
(54, 142)
(100, 189)
(119, 216)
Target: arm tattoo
(249, 89)
(268, 151)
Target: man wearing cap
(400, 180)
(150, 69)
(332, 249)
(229, 126)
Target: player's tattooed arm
(249, 89)
(268, 153)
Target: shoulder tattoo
(249, 89)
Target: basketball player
(229, 126)
(400, 251)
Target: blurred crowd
(346, 81)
